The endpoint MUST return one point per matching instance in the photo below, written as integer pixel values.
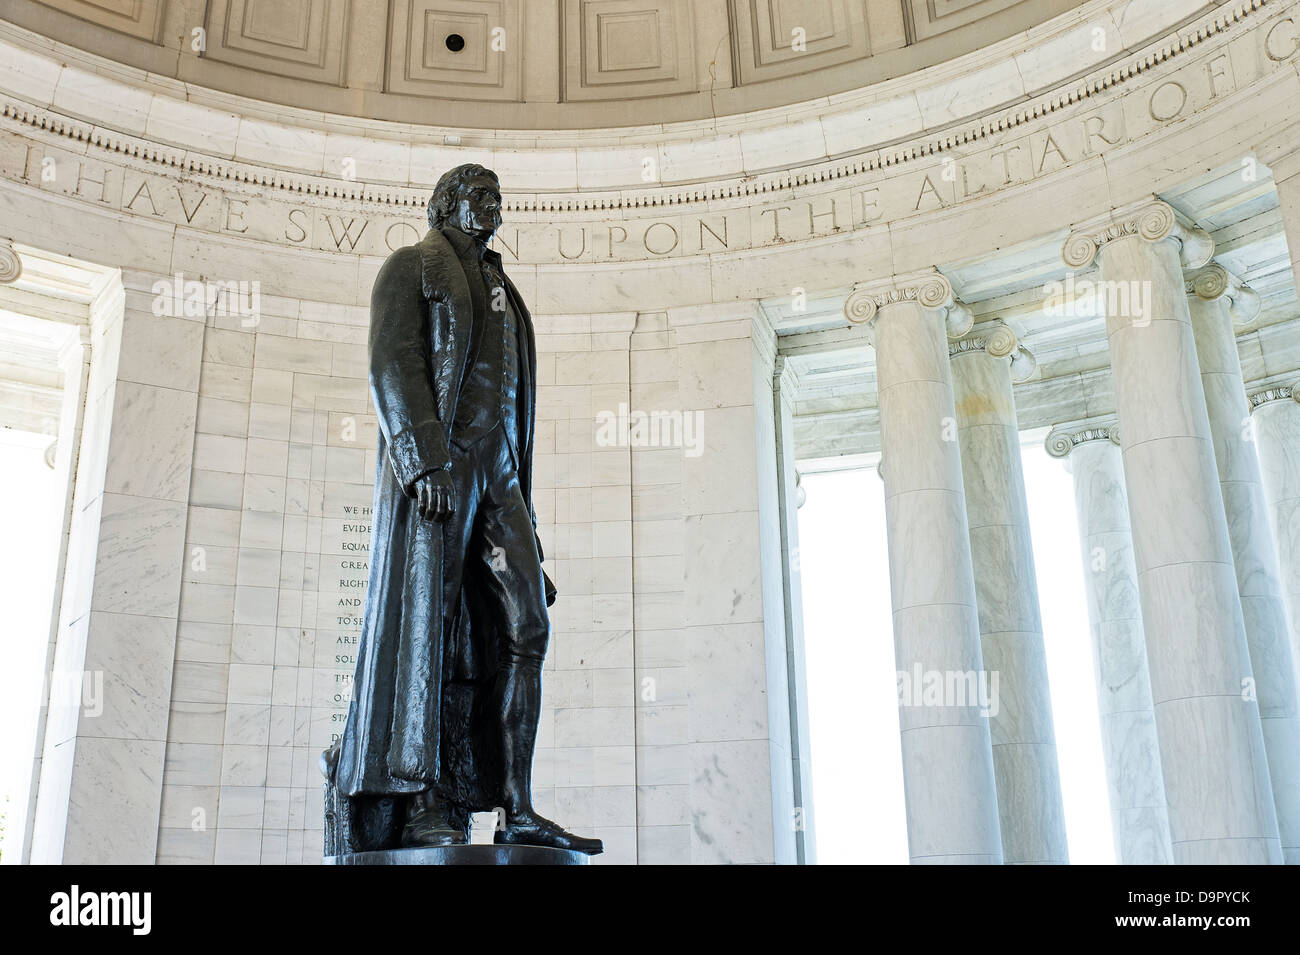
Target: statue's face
(478, 210)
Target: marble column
(1211, 744)
(948, 777)
(1139, 817)
(1030, 811)
(1276, 417)
(1217, 300)
(1274, 409)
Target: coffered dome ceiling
(523, 64)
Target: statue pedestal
(463, 855)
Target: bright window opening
(849, 646)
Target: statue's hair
(447, 192)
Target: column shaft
(952, 808)
(1211, 744)
(1139, 817)
(1276, 417)
(1030, 811)
(1277, 424)
(1254, 557)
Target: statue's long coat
(420, 683)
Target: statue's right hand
(434, 495)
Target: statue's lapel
(529, 389)
(443, 280)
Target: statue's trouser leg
(507, 548)
(519, 706)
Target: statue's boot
(530, 829)
(519, 706)
(434, 822)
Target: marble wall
(277, 541)
(101, 766)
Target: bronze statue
(448, 683)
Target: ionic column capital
(1215, 282)
(998, 340)
(1152, 220)
(11, 266)
(1064, 438)
(929, 289)
(1275, 393)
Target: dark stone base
(463, 855)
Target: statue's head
(468, 198)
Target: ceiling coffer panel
(627, 49)
(778, 38)
(531, 64)
(303, 39)
(142, 19)
(933, 17)
(456, 49)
